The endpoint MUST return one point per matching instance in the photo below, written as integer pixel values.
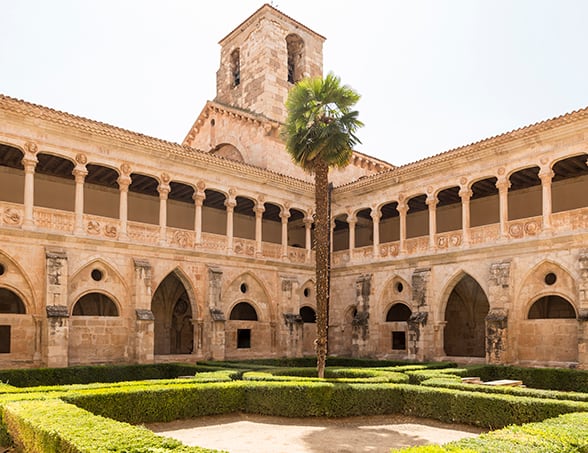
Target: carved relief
(11, 217)
(420, 278)
(81, 159)
(31, 148)
(500, 274)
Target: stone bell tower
(262, 58)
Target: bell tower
(262, 58)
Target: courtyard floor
(247, 433)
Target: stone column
(285, 215)
(217, 316)
(29, 162)
(259, 209)
(376, 216)
(144, 319)
(503, 184)
(80, 172)
(351, 221)
(419, 336)
(583, 310)
(230, 204)
(360, 325)
(466, 195)
(56, 332)
(432, 203)
(497, 351)
(402, 209)
(308, 221)
(163, 190)
(124, 181)
(198, 197)
(546, 175)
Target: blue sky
(433, 74)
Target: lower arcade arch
(95, 304)
(308, 317)
(10, 304)
(549, 334)
(172, 310)
(465, 318)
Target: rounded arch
(552, 306)
(95, 304)
(295, 49)
(308, 314)
(18, 281)
(398, 312)
(465, 317)
(11, 303)
(228, 151)
(243, 311)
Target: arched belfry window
(295, 47)
(236, 67)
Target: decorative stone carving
(81, 159)
(31, 148)
(420, 278)
(217, 314)
(125, 168)
(144, 315)
(500, 274)
(496, 330)
(93, 227)
(57, 311)
(214, 287)
(110, 231)
(11, 217)
(165, 178)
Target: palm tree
(320, 133)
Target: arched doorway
(465, 315)
(10, 304)
(243, 311)
(171, 307)
(397, 319)
(308, 316)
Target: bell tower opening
(262, 58)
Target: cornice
(155, 146)
(477, 149)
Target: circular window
(212, 122)
(97, 275)
(550, 278)
(243, 288)
(2, 269)
(306, 292)
(399, 287)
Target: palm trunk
(321, 236)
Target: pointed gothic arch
(465, 316)
(172, 310)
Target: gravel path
(246, 433)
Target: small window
(295, 47)
(4, 339)
(2, 269)
(236, 67)
(399, 287)
(243, 338)
(97, 275)
(399, 340)
(243, 288)
(306, 292)
(10, 302)
(550, 279)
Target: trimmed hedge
(55, 426)
(144, 404)
(93, 374)
(564, 434)
(161, 403)
(335, 375)
(456, 384)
